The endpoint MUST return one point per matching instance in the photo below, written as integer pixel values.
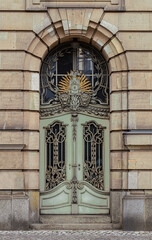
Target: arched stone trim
(88, 27)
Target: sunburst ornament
(75, 83)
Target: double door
(74, 164)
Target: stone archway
(100, 34)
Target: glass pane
(55, 152)
(65, 63)
(83, 62)
(83, 58)
(93, 144)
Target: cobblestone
(74, 235)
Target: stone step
(75, 219)
(95, 226)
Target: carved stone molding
(39, 5)
(139, 139)
(12, 146)
(98, 111)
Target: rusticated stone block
(116, 206)
(6, 212)
(31, 140)
(116, 121)
(99, 40)
(50, 37)
(96, 15)
(11, 120)
(15, 40)
(133, 180)
(145, 179)
(116, 160)
(139, 81)
(14, 211)
(127, 21)
(138, 5)
(31, 120)
(24, 21)
(7, 60)
(34, 206)
(20, 212)
(139, 140)
(31, 180)
(148, 213)
(140, 120)
(130, 41)
(38, 48)
(9, 137)
(31, 81)
(133, 213)
(15, 159)
(13, 180)
(116, 140)
(32, 63)
(31, 160)
(19, 120)
(140, 160)
(139, 179)
(11, 100)
(11, 80)
(115, 101)
(116, 180)
(135, 60)
(116, 82)
(31, 101)
(118, 63)
(12, 5)
(11, 160)
(140, 100)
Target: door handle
(74, 165)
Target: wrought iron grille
(93, 135)
(74, 56)
(55, 151)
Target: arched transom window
(74, 76)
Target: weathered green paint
(89, 199)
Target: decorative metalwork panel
(93, 135)
(55, 148)
(74, 76)
(74, 91)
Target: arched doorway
(74, 131)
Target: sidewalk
(74, 235)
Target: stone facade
(121, 31)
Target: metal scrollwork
(93, 135)
(74, 185)
(74, 91)
(74, 120)
(55, 175)
(55, 143)
(93, 175)
(98, 111)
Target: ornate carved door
(74, 131)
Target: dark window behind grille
(93, 135)
(81, 57)
(55, 151)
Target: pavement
(74, 235)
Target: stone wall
(121, 30)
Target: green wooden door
(74, 133)
(74, 164)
